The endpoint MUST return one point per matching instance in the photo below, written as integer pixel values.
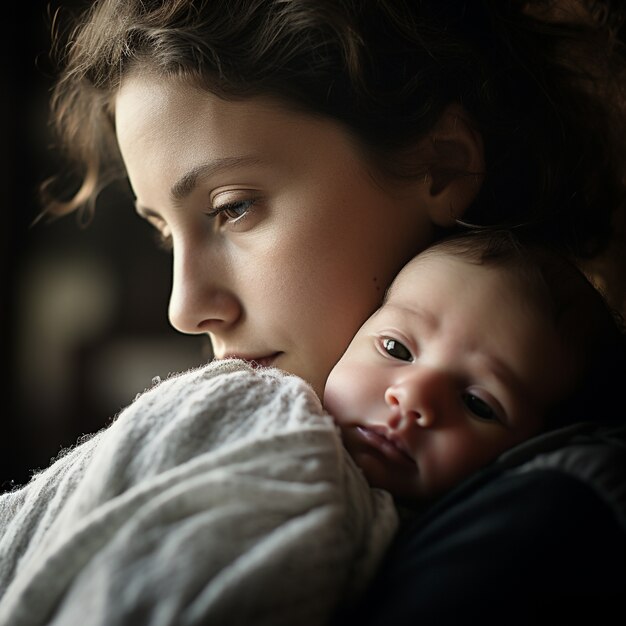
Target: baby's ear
(457, 165)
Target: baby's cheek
(333, 401)
(343, 395)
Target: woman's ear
(456, 166)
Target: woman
(296, 154)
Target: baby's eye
(479, 407)
(396, 349)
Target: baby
(481, 343)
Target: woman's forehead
(149, 97)
(166, 129)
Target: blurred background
(83, 312)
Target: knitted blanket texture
(222, 495)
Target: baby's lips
(381, 442)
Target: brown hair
(541, 81)
(589, 329)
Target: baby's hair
(541, 80)
(589, 329)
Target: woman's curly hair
(543, 82)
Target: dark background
(83, 311)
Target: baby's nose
(419, 396)
(401, 415)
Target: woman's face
(283, 242)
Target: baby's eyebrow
(411, 311)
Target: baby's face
(454, 369)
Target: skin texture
(446, 376)
(307, 239)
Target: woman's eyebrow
(187, 182)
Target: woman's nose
(419, 396)
(200, 302)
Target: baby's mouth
(394, 451)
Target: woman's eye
(233, 211)
(479, 407)
(396, 349)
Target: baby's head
(481, 343)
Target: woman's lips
(264, 361)
(390, 449)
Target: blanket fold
(222, 495)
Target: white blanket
(220, 496)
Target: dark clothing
(533, 542)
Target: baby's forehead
(442, 281)
(427, 267)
